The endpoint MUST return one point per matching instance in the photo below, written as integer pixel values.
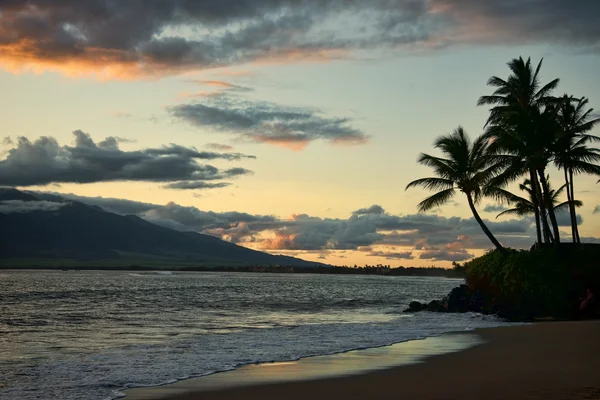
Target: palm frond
(519, 212)
(564, 206)
(436, 200)
(431, 183)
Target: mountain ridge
(55, 228)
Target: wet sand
(551, 360)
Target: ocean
(84, 335)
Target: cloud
(219, 147)
(564, 218)
(374, 209)
(494, 208)
(20, 206)
(194, 219)
(510, 22)
(117, 206)
(44, 161)
(406, 255)
(197, 185)
(112, 40)
(375, 234)
(264, 122)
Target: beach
(548, 360)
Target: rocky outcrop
(461, 299)
(464, 299)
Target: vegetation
(523, 285)
(528, 131)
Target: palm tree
(524, 206)
(467, 168)
(519, 117)
(570, 151)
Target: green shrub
(527, 284)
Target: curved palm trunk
(548, 204)
(573, 212)
(485, 229)
(571, 207)
(536, 209)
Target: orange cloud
(110, 64)
(296, 144)
(281, 241)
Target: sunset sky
(286, 126)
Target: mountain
(54, 230)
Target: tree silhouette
(467, 167)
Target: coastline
(549, 360)
(335, 365)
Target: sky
(286, 126)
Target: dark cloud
(520, 22)
(44, 162)
(19, 206)
(197, 220)
(264, 122)
(197, 185)
(564, 218)
(405, 255)
(494, 208)
(374, 209)
(133, 38)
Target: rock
(435, 306)
(458, 299)
(415, 306)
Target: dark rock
(458, 299)
(415, 306)
(435, 306)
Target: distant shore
(279, 269)
(551, 360)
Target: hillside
(35, 231)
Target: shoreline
(345, 363)
(547, 360)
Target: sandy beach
(551, 360)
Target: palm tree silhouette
(467, 167)
(521, 118)
(570, 151)
(523, 206)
